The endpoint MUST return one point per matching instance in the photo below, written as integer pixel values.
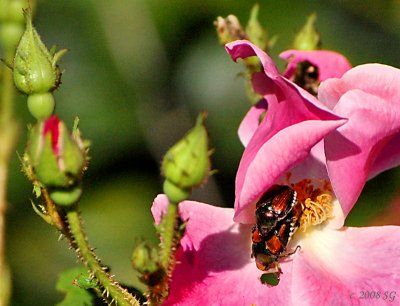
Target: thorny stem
(56, 218)
(170, 236)
(8, 137)
(113, 292)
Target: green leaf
(70, 282)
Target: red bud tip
(52, 126)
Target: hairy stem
(112, 290)
(169, 235)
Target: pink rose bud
(57, 158)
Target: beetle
(274, 206)
(307, 77)
(278, 215)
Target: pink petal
(330, 64)
(270, 81)
(365, 145)
(314, 166)
(251, 121)
(376, 79)
(214, 265)
(388, 158)
(288, 105)
(244, 48)
(336, 267)
(259, 170)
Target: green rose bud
(187, 164)
(35, 67)
(308, 38)
(57, 160)
(145, 259)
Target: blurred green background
(137, 74)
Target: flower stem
(8, 137)
(8, 92)
(112, 290)
(169, 235)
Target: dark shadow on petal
(262, 104)
(338, 146)
(225, 251)
(263, 85)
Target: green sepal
(187, 163)
(47, 167)
(34, 144)
(35, 70)
(71, 154)
(255, 32)
(308, 38)
(41, 213)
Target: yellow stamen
(316, 212)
